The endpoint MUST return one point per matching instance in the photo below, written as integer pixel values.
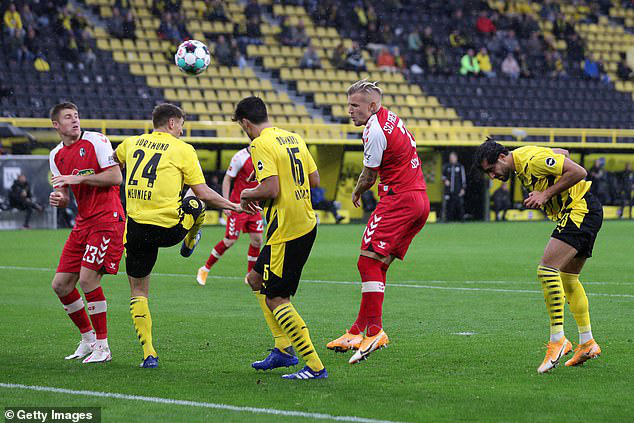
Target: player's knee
(60, 287)
(193, 206)
(256, 243)
(369, 269)
(229, 242)
(254, 279)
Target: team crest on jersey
(260, 165)
(550, 162)
(82, 152)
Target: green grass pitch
(478, 278)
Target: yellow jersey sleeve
(263, 161)
(544, 162)
(190, 166)
(311, 166)
(121, 150)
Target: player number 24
(149, 170)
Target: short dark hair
(251, 108)
(54, 112)
(164, 112)
(489, 150)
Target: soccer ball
(192, 57)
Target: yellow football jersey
(539, 168)
(157, 167)
(282, 153)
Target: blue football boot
(185, 250)
(307, 373)
(276, 359)
(150, 362)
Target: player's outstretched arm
(215, 200)
(110, 176)
(366, 180)
(572, 173)
(313, 179)
(268, 189)
(561, 151)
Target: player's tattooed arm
(561, 151)
(366, 180)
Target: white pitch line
(170, 401)
(414, 284)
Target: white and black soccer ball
(192, 57)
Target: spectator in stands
(123, 6)
(562, 28)
(428, 37)
(13, 22)
(600, 182)
(623, 70)
(575, 49)
(525, 70)
(455, 180)
(286, 32)
(387, 34)
(20, 197)
(373, 36)
(252, 10)
(238, 57)
(549, 10)
(338, 57)
(484, 61)
(29, 47)
(222, 52)
(534, 45)
(510, 43)
(214, 11)
(115, 24)
(129, 25)
(457, 40)
(469, 65)
(399, 61)
(525, 25)
(181, 24)
(494, 45)
(554, 65)
(510, 67)
(69, 51)
(593, 70)
(300, 36)
(434, 61)
(88, 58)
(501, 201)
(318, 199)
(168, 30)
(354, 58)
(28, 17)
(484, 25)
(385, 61)
(414, 43)
(254, 34)
(310, 59)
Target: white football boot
(100, 354)
(83, 349)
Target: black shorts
(581, 238)
(143, 242)
(281, 265)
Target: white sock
(554, 337)
(585, 337)
(205, 268)
(89, 337)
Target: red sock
(252, 257)
(97, 308)
(74, 306)
(372, 288)
(216, 252)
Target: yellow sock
(140, 312)
(553, 295)
(282, 342)
(577, 299)
(295, 329)
(190, 238)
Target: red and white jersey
(240, 168)
(389, 147)
(91, 154)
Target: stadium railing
(346, 134)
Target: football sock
(190, 238)
(555, 337)
(140, 312)
(216, 253)
(372, 293)
(578, 302)
(282, 342)
(74, 306)
(97, 308)
(553, 295)
(295, 329)
(252, 257)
